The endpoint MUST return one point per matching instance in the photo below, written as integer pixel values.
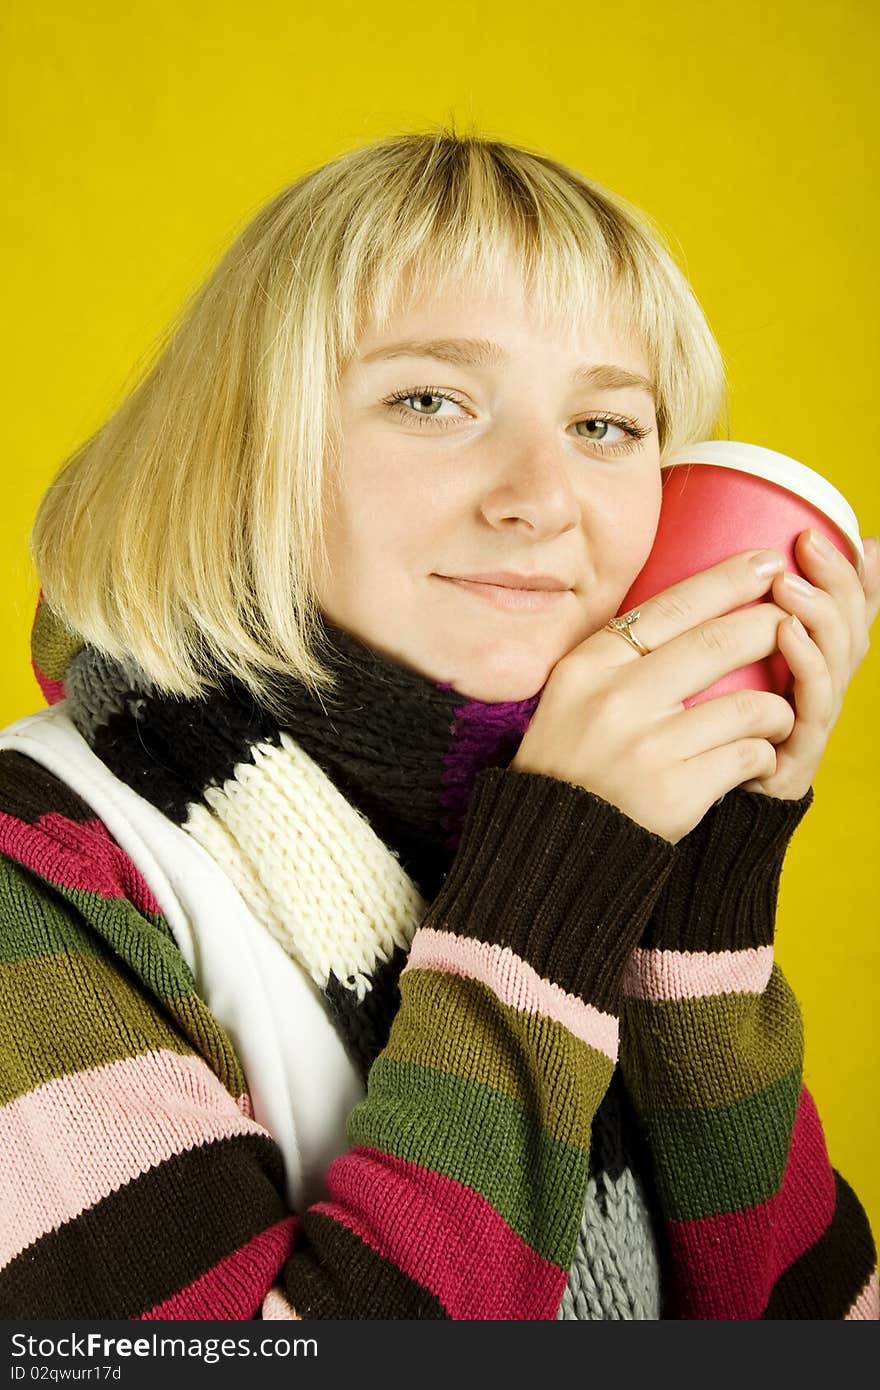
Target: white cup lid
(780, 469)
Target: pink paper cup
(721, 497)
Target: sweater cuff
(563, 878)
(721, 895)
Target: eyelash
(636, 433)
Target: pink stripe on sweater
(658, 975)
(732, 1261)
(76, 854)
(235, 1288)
(515, 982)
(68, 1144)
(866, 1307)
(443, 1235)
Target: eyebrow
(481, 352)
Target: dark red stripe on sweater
(234, 1288)
(827, 1278)
(444, 1235)
(78, 856)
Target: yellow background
(141, 137)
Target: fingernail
(767, 562)
(820, 544)
(798, 628)
(800, 586)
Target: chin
(506, 681)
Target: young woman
(383, 936)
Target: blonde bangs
(186, 538)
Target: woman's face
(497, 460)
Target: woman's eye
(424, 405)
(602, 425)
(427, 402)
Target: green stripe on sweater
(496, 1045)
(143, 945)
(33, 922)
(714, 1161)
(698, 1054)
(67, 1014)
(417, 1114)
(57, 921)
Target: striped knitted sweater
(584, 1067)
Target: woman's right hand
(614, 722)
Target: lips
(506, 596)
(508, 579)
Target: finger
(813, 696)
(871, 547)
(830, 571)
(837, 628)
(731, 765)
(737, 715)
(872, 577)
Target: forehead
(495, 316)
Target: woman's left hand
(837, 615)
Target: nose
(532, 487)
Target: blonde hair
(187, 534)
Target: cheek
(627, 524)
(642, 519)
(645, 531)
(384, 512)
(409, 501)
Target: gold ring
(623, 626)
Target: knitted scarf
(404, 752)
